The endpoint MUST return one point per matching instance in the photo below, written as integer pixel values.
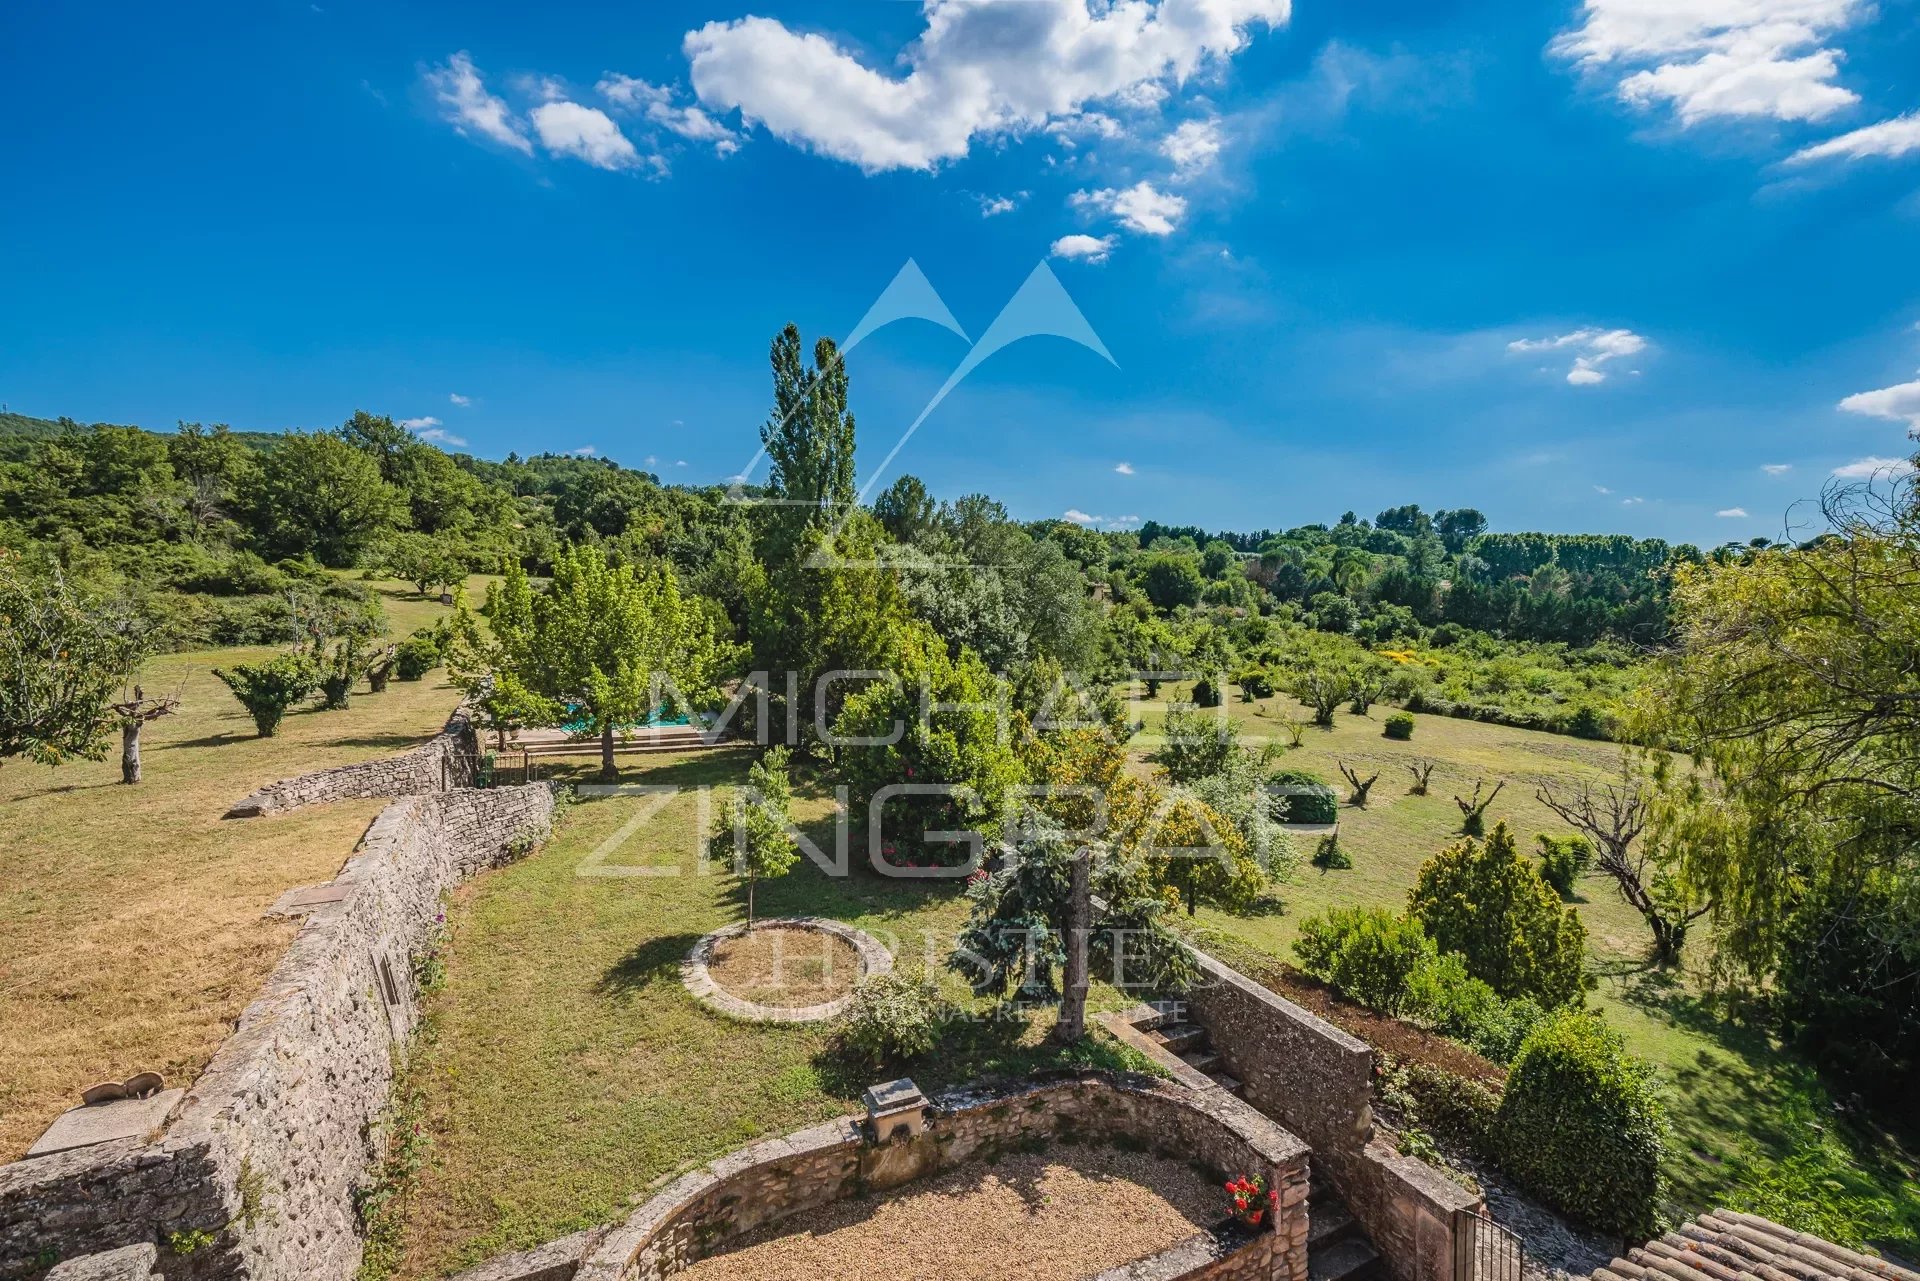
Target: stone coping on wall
(695, 974)
(442, 762)
(780, 1179)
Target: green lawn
(1753, 1127)
(565, 1071)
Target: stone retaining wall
(776, 1181)
(1318, 1082)
(442, 762)
(269, 1147)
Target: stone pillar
(1290, 1221)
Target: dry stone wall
(444, 761)
(783, 1179)
(1318, 1082)
(259, 1166)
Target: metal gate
(1483, 1250)
(488, 769)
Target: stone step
(1159, 1014)
(1180, 1037)
(1352, 1259)
(1204, 1062)
(1329, 1222)
(1231, 1084)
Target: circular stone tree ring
(696, 972)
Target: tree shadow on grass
(652, 963)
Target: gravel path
(1052, 1216)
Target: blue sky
(1612, 266)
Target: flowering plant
(1251, 1199)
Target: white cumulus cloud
(1888, 140)
(584, 133)
(457, 399)
(429, 428)
(976, 70)
(656, 104)
(463, 97)
(583, 451)
(1142, 207)
(994, 206)
(1900, 403)
(1084, 248)
(1193, 148)
(1124, 469)
(1704, 59)
(1731, 511)
(1592, 347)
(1872, 468)
(1079, 517)
(1776, 469)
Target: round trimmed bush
(414, 657)
(1306, 796)
(1399, 725)
(1582, 1127)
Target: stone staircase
(1338, 1249)
(1166, 1026)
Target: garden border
(875, 960)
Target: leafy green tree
(1172, 579)
(1322, 682)
(1016, 938)
(380, 439)
(1485, 901)
(319, 494)
(1458, 527)
(63, 654)
(421, 559)
(598, 642)
(268, 689)
(949, 721)
(905, 510)
(809, 440)
(1197, 744)
(755, 832)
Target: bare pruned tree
(131, 715)
(1359, 785)
(1422, 770)
(1473, 811)
(1613, 815)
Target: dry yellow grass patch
(131, 933)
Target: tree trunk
(750, 881)
(607, 771)
(1073, 999)
(130, 753)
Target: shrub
(1399, 725)
(415, 657)
(1368, 954)
(1307, 797)
(1484, 901)
(1328, 856)
(1254, 683)
(1562, 860)
(1451, 1106)
(1454, 1003)
(1585, 722)
(268, 689)
(1581, 1125)
(1206, 693)
(892, 1019)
